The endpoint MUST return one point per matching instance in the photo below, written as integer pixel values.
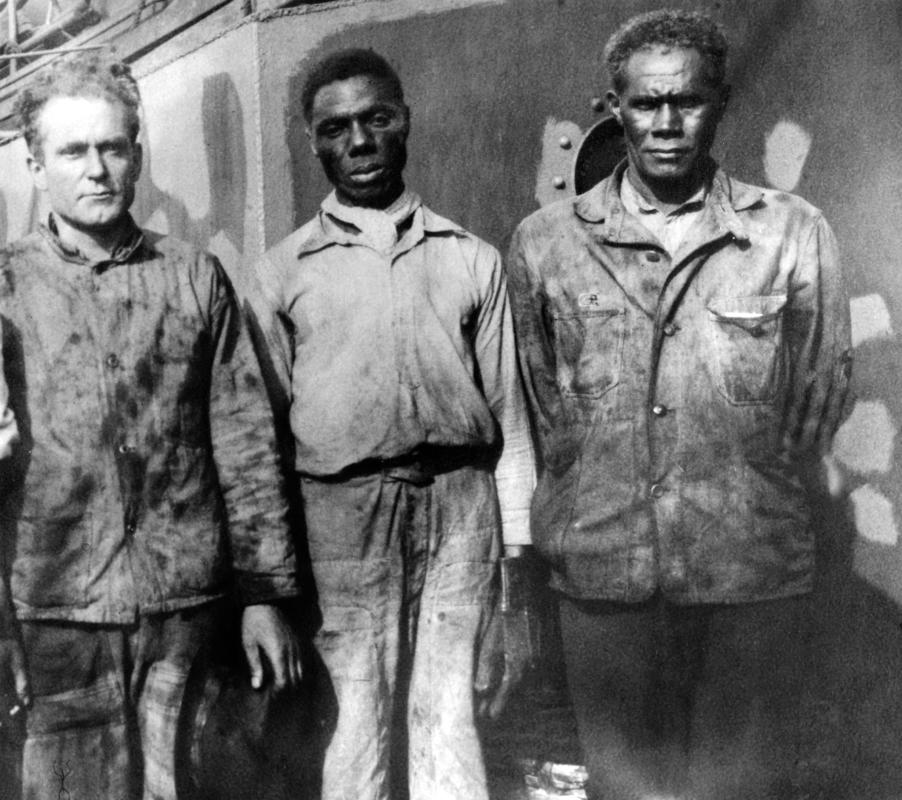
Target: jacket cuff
(253, 588)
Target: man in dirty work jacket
(146, 486)
(393, 334)
(685, 345)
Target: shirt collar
(130, 241)
(635, 202)
(726, 196)
(325, 229)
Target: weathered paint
(865, 442)
(786, 148)
(493, 85)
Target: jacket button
(131, 528)
(670, 329)
(653, 256)
(657, 490)
(112, 361)
(658, 410)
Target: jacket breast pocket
(589, 350)
(747, 336)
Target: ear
(724, 99)
(137, 160)
(406, 120)
(614, 104)
(38, 172)
(311, 140)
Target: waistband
(419, 467)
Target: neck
(95, 244)
(379, 203)
(666, 196)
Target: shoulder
(307, 239)
(168, 247)
(21, 256)
(776, 202)
(472, 245)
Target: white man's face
(87, 163)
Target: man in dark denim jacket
(147, 487)
(685, 343)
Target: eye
(331, 131)
(381, 119)
(690, 103)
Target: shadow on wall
(222, 228)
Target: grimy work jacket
(675, 400)
(147, 477)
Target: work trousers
(404, 578)
(693, 702)
(106, 700)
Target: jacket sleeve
(247, 461)
(818, 334)
(536, 353)
(496, 355)
(9, 433)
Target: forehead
(661, 68)
(353, 95)
(83, 119)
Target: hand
(264, 627)
(509, 647)
(12, 671)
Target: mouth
(99, 196)
(366, 173)
(667, 155)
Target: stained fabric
(148, 478)
(678, 400)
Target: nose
(360, 136)
(668, 120)
(95, 167)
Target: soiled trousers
(404, 577)
(695, 702)
(106, 699)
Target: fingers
(20, 677)
(279, 662)
(252, 653)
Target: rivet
(565, 142)
(597, 103)
(558, 182)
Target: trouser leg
(745, 726)
(353, 533)
(104, 717)
(460, 533)
(165, 647)
(402, 569)
(81, 738)
(628, 686)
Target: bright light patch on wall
(786, 148)
(865, 441)
(870, 319)
(874, 518)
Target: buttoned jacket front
(147, 479)
(675, 400)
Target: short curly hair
(672, 28)
(344, 64)
(77, 75)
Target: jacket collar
(322, 231)
(602, 205)
(130, 242)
